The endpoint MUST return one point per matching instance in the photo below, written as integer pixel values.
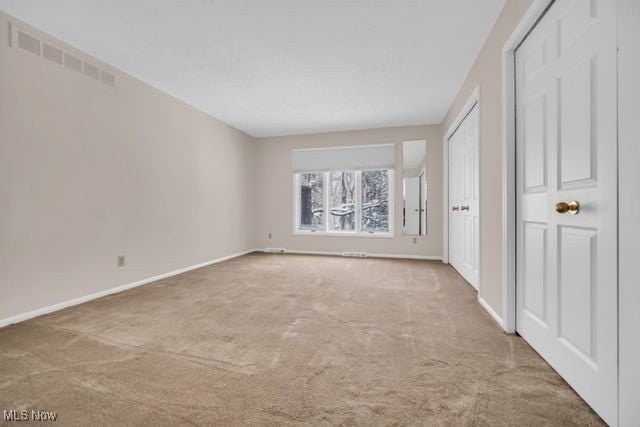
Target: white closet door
(566, 152)
(464, 213)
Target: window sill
(344, 234)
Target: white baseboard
(369, 254)
(55, 307)
(491, 311)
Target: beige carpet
(278, 340)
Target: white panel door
(464, 213)
(566, 151)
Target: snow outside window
(344, 202)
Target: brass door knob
(464, 208)
(564, 207)
(455, 208)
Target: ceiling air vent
(52, 53)
(91, 71)
(57, 55)
(28, 43)
(72, 63)
(107, 78)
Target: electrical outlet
(415, 240)
(120, 260)
(269, 235)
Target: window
(375, 201)
(311, 201)
(342, 201)
(356, 202)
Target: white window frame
(358, 198)
(296, 203)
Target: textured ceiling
(276, 67)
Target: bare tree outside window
(342, 201)
(311, 201)
(375, 201)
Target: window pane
(311, 201)
(375, 201)
(342, 201)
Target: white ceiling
(276, 67)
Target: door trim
(471, 102)
(526, 24)
(629, 206)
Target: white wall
(486, 74)
(274, 196)
(89, 172)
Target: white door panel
(534, 247)
(566, 150)
(464, 230)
